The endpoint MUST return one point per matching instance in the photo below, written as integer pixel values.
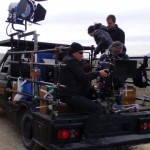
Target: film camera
(119, 71)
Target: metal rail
(26, 52)
(38, 82)
(34, 63)
(30, 95)
(141, 57)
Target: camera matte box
(125, 68)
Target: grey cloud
(140, 38)
(85, 17)
(73, 17)
(136, 16)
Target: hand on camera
(100, 85)
(104, 73)
(106, 70)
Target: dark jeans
(83, 104)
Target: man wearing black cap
(76, 80)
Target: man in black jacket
(76, 80)
(101, 36)
(115, 52)
(115, 32)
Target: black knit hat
(75, 47)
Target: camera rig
(111, 89)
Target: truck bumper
(105, 142)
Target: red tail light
(66, 134)
(148, 125)
(63, 134)
(144, 125)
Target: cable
(26, 44)
(7, 29)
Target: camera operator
(107, 61)
(77, 83)
(76, 80)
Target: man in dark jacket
(102, 38)
(115, 32)
(115, 52)
(76, 80)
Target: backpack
(141, 80)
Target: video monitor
(125, 68)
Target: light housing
(25, 10)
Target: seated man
(106, 61)
(76, 80)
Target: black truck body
(63, 130)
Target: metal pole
(34, 63)
(10, 90)
(40, 51)
(38, 82)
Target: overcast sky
(67, 21)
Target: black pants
(83, 104)
(95, 109)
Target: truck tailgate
(105, 142)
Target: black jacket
(74, 78)
(117, 34)
(102, 39)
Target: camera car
(50, 123)
(28, 93)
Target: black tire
(27, 131)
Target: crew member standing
(101, 36)
(115, 32)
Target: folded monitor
(125, 68)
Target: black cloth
(117, 34)
(141, 80)
(73, 76)
(102, 39)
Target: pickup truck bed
(114, 130)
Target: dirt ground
(141, 147)
(10, 137)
